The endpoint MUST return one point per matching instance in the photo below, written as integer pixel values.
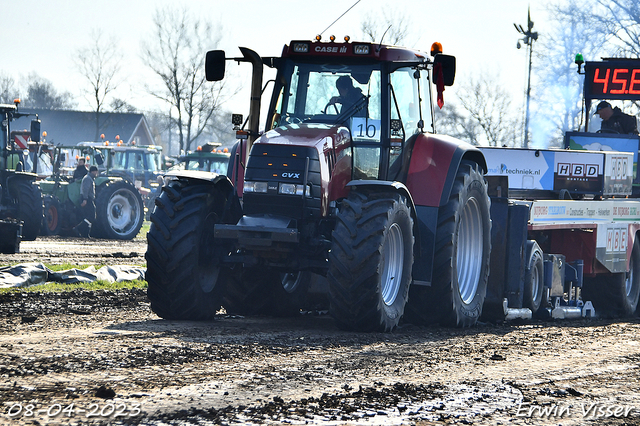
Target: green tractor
(119, 206)
(20, 198)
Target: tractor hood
(323, 136)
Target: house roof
(72, 127)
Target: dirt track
(108, 354)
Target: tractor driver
(349, 97)
(616, 121)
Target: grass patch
(59, 287)
(142, 235)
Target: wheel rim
(535, 279)
(392, 264)
(52, 218)
(123, 212)
(291, 281)
(469, 251)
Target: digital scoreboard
(614, 79)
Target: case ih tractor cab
(359, 189)
(20, 198)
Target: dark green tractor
(20, 198)
(119, 207)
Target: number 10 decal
(363, 129)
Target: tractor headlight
(250, 186)
(293, 189)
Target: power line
(339, 17)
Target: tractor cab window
(330, 94)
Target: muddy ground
(104, 358)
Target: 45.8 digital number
(109, 409)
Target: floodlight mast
(529, 37)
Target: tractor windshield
(328, 93)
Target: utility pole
(529, 37)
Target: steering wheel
(335, 107)
(607, 131)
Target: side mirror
(35, 130)
(448, 63)
(215, 65)
(99, 158)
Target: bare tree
(42, 94)
(8, 89)
(100, 63)
(450, 121)
(120, 105)
(389, 26)
(175, 52)
(488, 106)
(619, 21)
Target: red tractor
(349, 181)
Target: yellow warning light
(44, 134)
(225, 150)
(16, 101)
(332, 38)
(436, 48)
(102, 136)
(106, 143)
(347, 39)
(199, 148)
(318, 37)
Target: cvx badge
(289, 175)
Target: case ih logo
(579, 171)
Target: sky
(43, 36)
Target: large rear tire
(616, 295)
(462, 254)
(184, 274)
(29, 198)
(119, 211)
(370, 261)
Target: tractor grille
(279, 165)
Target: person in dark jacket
(88, 205)
(616, 121)
(81, 169)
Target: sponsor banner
(567, 211)
(526, 168)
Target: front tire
(370, 261)
(184, 275)
(119, 211)
(462, 254)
